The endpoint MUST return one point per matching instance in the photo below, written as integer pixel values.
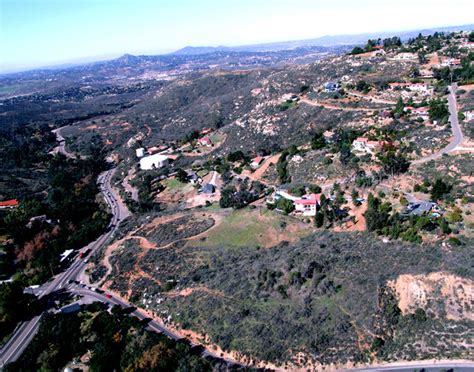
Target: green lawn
(248, 228)
(173, 184)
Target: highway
(26, 330)
(456, 129)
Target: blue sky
(45, 32)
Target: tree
(438, 109)
(315, 189)
(319, 219)
(439, 189)
(377, 214)
(399, 108)
(181, 175)
(357, 50)
(394, 163)
(285, 205)
(471, 37)
(318, 142)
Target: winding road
(457, 138)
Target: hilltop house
(363, 144)
(205, 141)
(414, 87)
(405, 56)
(256, 162)
(331, 87)
(7, 204)
(153, 161)
(308, 204)
(422, 112)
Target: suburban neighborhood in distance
(281, 205)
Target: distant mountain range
(329, 40)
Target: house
(193, 178)
(205, 131)
(469, 115)
(153, 162)
(405, 56)
(414, 87)
(256, 162)
(208, 188)
(38, 219)
(331, 87)
(363, 144)
(155, 149)
(328, 136)
(205, 141)
(420, 208)
(7, 204)
(307, 205)
(447, 62)
(140, 152)
(422, 112)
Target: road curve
(456, 129)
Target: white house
(362, 144)
(423, 112)
(153, 162)
(469, 115)
(256, 162)
(140, 152)
(405, 56)
(307, 205)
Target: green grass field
(252, 227)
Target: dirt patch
(439, 293)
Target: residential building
(193, 178)
(421, 208)
(469, 115)
(405, 56)
(308, 204)
(205, 131)
(331, 87)
(208, 188)
(363, 144)
(418, 111)
(153, 162)
(140, 152)
(205, 141)
(256, 162)
(328, 136)
(414, 87)
(7, 204)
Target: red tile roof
(205, 140)
(312, 199)
(9, 203)
(257, 160)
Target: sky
(37, 33)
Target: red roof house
(13, 203)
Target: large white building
(153, 162)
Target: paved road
(457, 133)
(61, 148)
(442, 366)
(26, 330)
(153, 325)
